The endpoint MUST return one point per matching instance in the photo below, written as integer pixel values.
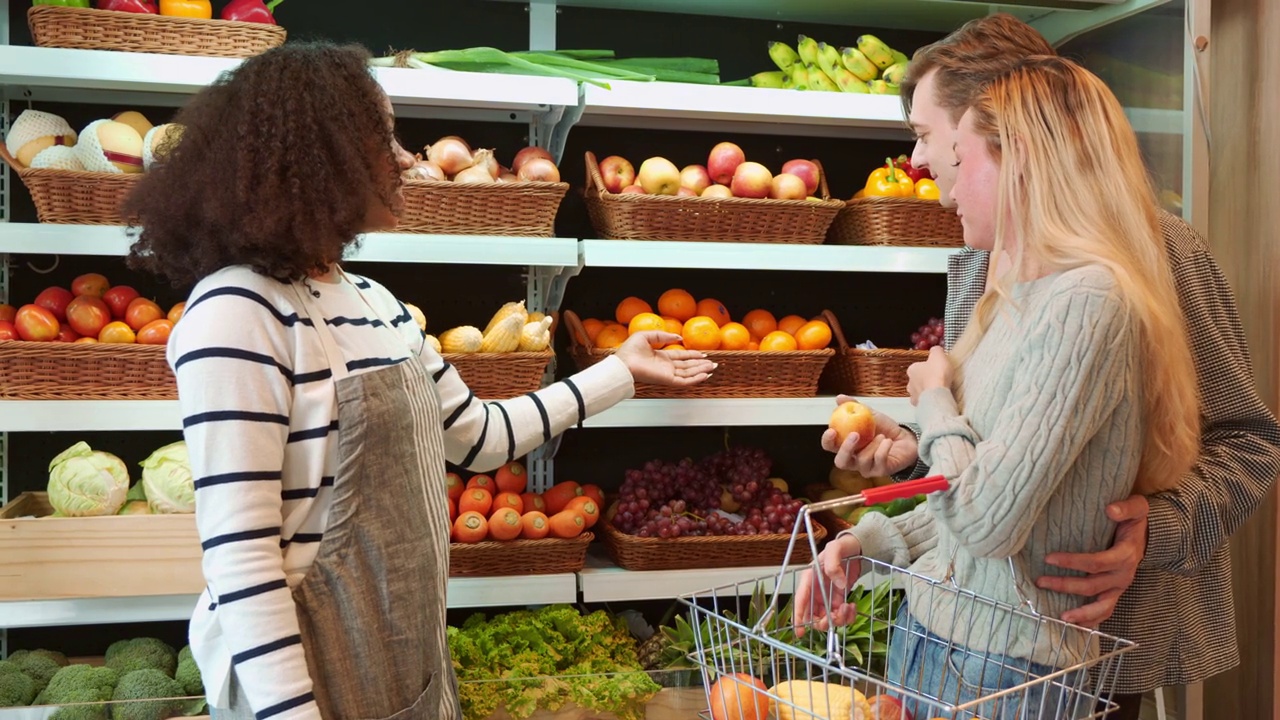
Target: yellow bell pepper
(927, 189)
(889, 181)
(200, 9)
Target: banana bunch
(870, 67)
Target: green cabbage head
(84, 482)
(166, 478)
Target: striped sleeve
(232, 361)
(481, 435)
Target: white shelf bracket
(1061, 26)
(550, 129)
(542, 24)
(541, 466)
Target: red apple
(806, 170)
(118, 299)
(8, 313)
(696, 178)
(90, 284)
(853, 417)
(686, 192)
(141, 313)
(718, 191)
(618, 172)
(887, 707)
(752, 180)
(723, 161)
(659, 176)
(528, 154)
(633, 190)
(87, 315)
(66, 334)
(36, 324)
(787, 187)
(55, 300)
(8, 331)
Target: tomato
(85, 341)
(141, 312)
(36, 324)
(117, 332)
(55, 300)
(155, 332)
(87, 315)
(90, 284)
(8, 313)
(175, 312)
(66, 334)
(8, 331)
(118, 299)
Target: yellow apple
(853, 417)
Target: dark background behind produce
(884, 307)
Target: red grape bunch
(928, 335)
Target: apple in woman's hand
(853, 417)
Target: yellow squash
(504, 335)
(511, 308)
(818, 701)
(535, 336)
(464, 339)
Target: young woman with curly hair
(319, 422)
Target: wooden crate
(44, 558)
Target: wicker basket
(91, 371)
(741, 373)
(525, 209)
(498, 376)
(869, 373)
(89, 29)
(616, 216)
(904, 222)
(548, 556)
(715, 551)
(74, 197)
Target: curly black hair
(276, 167)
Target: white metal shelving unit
(763, 256)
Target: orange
(791, 324)
(611, 336)
(630, 308)
(760, 323)
(674, 326)
(753, 345)
(593, 328)
(701, 333)
(813, 335)
(674, 346)
(777, 340)
(646, 321)
(678, 304)
(714, 309)
(734, 336)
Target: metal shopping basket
(758, 663)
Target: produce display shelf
(602, 581)
(98, 70)
(129, 415)
(463, 593)
(638, 104)
(375, 247)
(718, 412)
(763, 256)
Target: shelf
(463, 593)
(42, 69)
(732, 108)
(374, 247)
(763, 256)
(737, 412)
(602, 581)
(87, 415)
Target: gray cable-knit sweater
(1043, 432)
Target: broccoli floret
(56, 657)
(185, 653)
(126, 656)
(16, 689)
(40, 668)
(188, 676)
(148, 684)
(70, 681)
(81, 705)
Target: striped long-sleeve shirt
(1179, 607)
(260, 418)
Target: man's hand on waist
(1108, 573)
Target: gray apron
(372, 606)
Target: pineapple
(669, 650)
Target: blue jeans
(922, 662)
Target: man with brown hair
(1166, 581)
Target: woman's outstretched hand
(663, 367)
(810, 606)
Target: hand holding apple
(890, 449)
(853, 418)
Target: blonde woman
(1072, 387)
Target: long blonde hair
(1073, 191)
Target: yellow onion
(539, 170)
(474, 174)
(527, 154)
(486, 159)
(451, 155)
